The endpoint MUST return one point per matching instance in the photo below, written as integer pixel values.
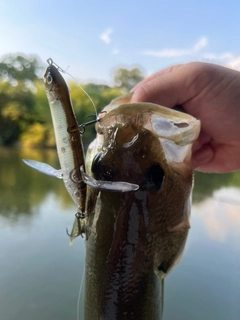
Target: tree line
(25, 118)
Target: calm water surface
(40, 273)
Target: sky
(93, 38)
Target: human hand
(210, 93)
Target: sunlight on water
(40, 273)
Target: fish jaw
(175, 130)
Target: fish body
(134, 239)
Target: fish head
(148, 145)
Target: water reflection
(40, 274)
(206, 284)
(221, 217)
(22, 189)
(206, 184)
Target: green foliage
(38, 135)
(24, 111)
(83, 107)
(20, 196)
(17, 110)
(14, 68)
(126, 79)
(206, 183)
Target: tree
(24, 110)
(14, 68)
(83, 107)
(126, 79)
(17, 77)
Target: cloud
(234, 63)
(225, 58)
(105, 36)
(201, 43)
(220, 56)
(171, 53)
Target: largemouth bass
(135, 239)
(135, 235)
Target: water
(40, 273)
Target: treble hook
(79, 216)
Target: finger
(156, 75)
(203, 139)
(167, 88)
(202, 157)
(216, 158)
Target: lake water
(40, 274)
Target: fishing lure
(68, 135)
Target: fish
(135, 239)
(134, 191)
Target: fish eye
(155, 176)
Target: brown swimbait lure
(69, 146)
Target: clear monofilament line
(79, 294)
(95, 109)
(50, 61)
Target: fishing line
(79, 293)
(50, 61)
(81, 127)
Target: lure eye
(49, 79)
(155, 177)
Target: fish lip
(184, 128)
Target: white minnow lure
(69, 145)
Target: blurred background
(107, 47)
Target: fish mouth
(101, 171)
(152, 178)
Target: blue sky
(95, 37)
